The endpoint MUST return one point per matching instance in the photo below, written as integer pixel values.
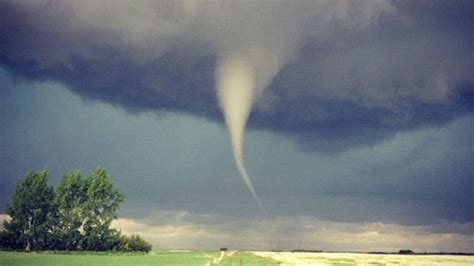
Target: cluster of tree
(132, 243)
(406, 251)
(76, 215)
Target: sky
(358, 117)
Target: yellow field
(307, 258)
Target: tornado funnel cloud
(235, 83)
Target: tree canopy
(68, 200)
(75, 215)
(31, 205)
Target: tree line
(74, 215)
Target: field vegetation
(209, 258)
(118, 259)
(348, 259)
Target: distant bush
(133, 243)
(406, 251)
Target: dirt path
(216, 260)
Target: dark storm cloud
(179, 162)
(348, 73)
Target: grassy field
(226, 258)
(153, 258)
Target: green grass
(118, 259)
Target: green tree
(133, 243)
(69, 199)
(31, 205)
(101, 202)
(76, 215)
(9, 239)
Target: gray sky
(362, 133)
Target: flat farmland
(118, 259)
(208, 258)
(311, 258)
